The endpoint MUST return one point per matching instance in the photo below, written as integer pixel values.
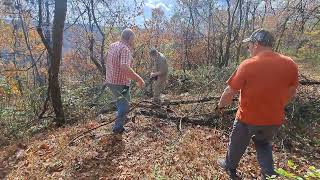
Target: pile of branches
(167, 111)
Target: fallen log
(189, 101)
(203, 119)
(308, 83)
(149, 104)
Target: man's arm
(235, 83)
(226, 97)
(132, 75)
(292, 93)
(293, 86)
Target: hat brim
(247, 40)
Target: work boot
(118, 131)
(101, 118)
(231, 172)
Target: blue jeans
(261, 136)
(121, 95)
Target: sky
(166, 5)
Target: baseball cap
(262, 36)
(153, 51)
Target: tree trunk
(15, 49)
(47, 33)
(231, 17)
(37, 77)
(57, 40)
(92, 41)
(283, 28)
(245, 27)
(253, 14)
(209, 49)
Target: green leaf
(291, 165)
(312, 168)
(281, 171)
(286, 173)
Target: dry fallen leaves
(142, 152)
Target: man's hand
(133, 75)
(219, 109)
(140, 83)
(153, 75)
(292, 93)
(226, 97)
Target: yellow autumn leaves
(8, 87)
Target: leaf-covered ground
(151, 148)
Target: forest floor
(152, 148)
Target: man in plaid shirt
(118, 76)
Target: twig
(97, 127)
(45, 104)
(28, 68)
(180, 125)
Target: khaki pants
(158, 87)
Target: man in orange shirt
(266, 82)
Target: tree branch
(40, 31)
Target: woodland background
(52, 67)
